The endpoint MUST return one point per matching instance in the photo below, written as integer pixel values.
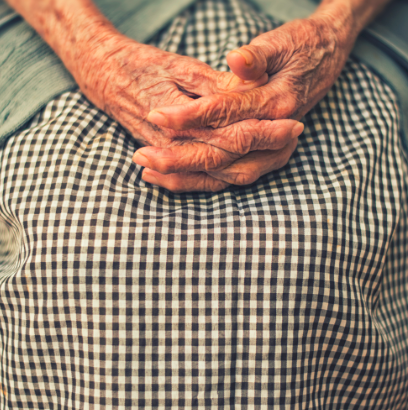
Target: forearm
(350, 16)
(71, 27)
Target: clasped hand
(203, 130)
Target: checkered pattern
(291, 293)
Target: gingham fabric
(291, 293)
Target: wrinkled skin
(127, 88)
(302, 59)
(236, 131)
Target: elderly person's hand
(302, 58)
(127, 80)
(128, 88)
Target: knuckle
(245, 177)
(254, 135)
(165, 166)
(256, 104)
(200, 160)
(224, 109)
(218, 113)
(210, 157)
(174, 186)
(242, 139)
(225, 81)
(275, 137)
(286, 107)
(290, 105)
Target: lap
(289, 292)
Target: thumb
(263, 55)
(248, 62)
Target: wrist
(98, 56)
(87, 44)
(341, 23)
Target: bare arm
(359, 12)
(72, 28)
(128, 79)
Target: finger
(217, 151)
(243, 172)
(204, 81)
(251, 167)
(219, 110)
(266, 53)
(188, 182)
(193, 157)
(214, 111)
(248, 62)
(249, 135)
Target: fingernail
(151, 179)
(249, 58)
(141, 160)
(297, 130)
(157, 118)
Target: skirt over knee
(290, 293)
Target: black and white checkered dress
(291, 293)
